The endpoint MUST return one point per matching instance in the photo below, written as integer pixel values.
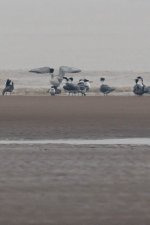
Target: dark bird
(73, 88)
(140, 88)
(71, 79)
(86, 84)
(104, 88)
(8, 88)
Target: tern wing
(65, 69)
(42, 70)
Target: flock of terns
(82, 87)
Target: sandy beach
(53, 184)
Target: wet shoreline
(46, 117)
(115, 141)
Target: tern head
(102, 79)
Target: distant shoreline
(26, 83)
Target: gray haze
(89, 34)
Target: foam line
(113, 141)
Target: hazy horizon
(89, 34)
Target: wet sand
(67, 184)
(55, 185)
(48, 117)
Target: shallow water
(114, 141)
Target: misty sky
(89, 34)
